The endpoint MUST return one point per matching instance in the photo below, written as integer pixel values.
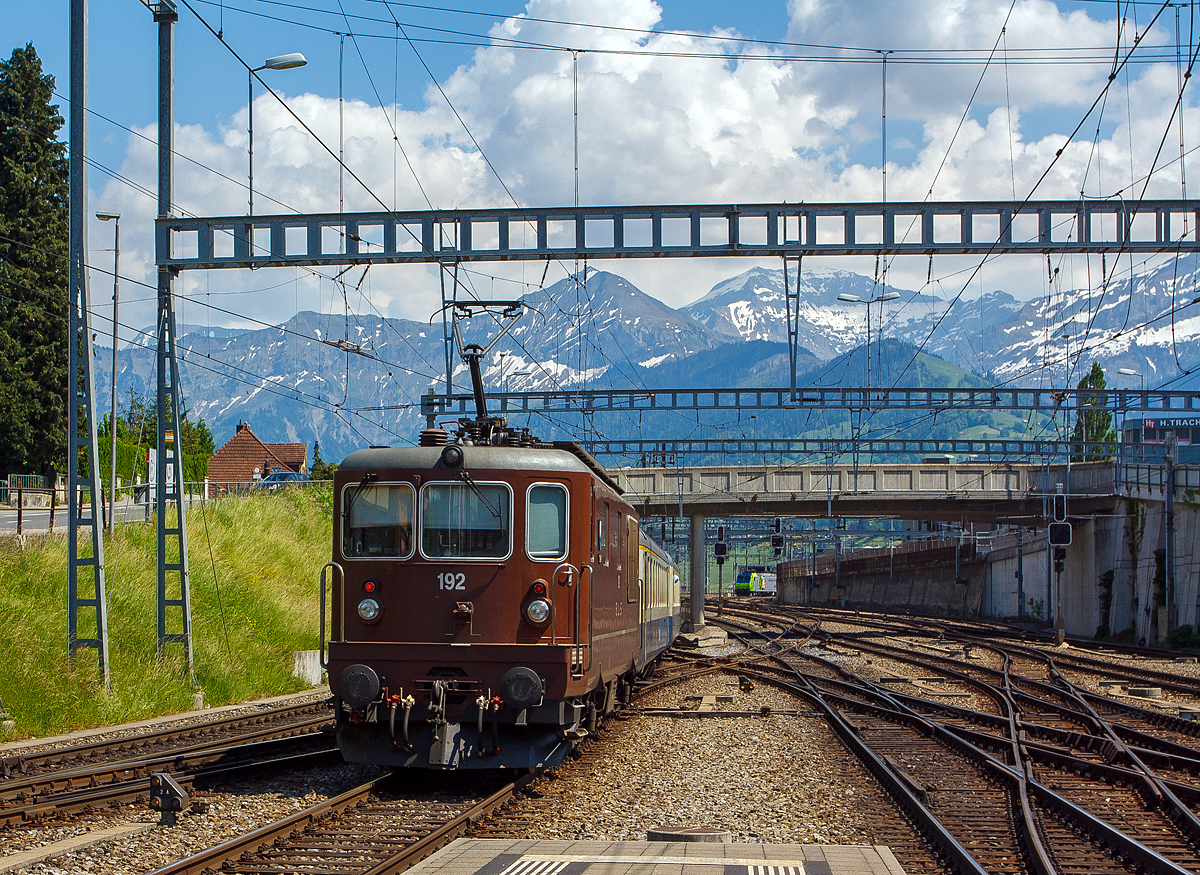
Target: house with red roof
(245, 459)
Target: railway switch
(167, 798)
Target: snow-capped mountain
(1148, 323)
(579, 331)
(750, 306)
(350, 382)
(1124, 323)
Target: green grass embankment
(260, 605)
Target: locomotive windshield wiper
(479, 494)
(362, 484)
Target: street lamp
(522, 373)
(115, 218)
(279, 62)
(1130, 372)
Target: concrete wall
(1100, 544)
(921, 582)
(1000, 584)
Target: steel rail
(135, 786)
(426, 845)
(191, 756)
(1020, 778)
(212, 858)
(23, 763)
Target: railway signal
(1060, 535)
(1060, 506)
(720, 553)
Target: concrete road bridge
(1119, 514)
(982, 493)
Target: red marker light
(369, 586)
(539, 588)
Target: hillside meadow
(254, 566)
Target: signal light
(370, 586)
(720, 534)
(1060, 508)
(778, 525)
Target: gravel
(239, 808)
(774, 779)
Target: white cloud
(658, 129)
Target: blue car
(281, 480)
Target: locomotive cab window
(377, 521)
(546, 522)
(466, 521)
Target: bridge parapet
(808, 482)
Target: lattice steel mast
(81, 394)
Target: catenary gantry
(683, 230)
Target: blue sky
(657, 129)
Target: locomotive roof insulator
(434, 437)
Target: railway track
(268, 721)
(1094, 804)
(367, 829)
(107, 773)
(388, 824)
(101, 787)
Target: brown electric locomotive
(493, 597)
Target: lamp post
(115, 218)
(1130, 372)
(847, 298)
(279, 62)
(523, 373)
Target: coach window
(466, 520)
(377, 521)
(546, 522)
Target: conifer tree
(33, 269)
(1094, 426)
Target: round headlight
(369, 610)
(538, 611)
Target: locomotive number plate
(451, 580)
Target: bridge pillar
(698, 581)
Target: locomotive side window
(377, 521)
(466, 521)
(546, 522)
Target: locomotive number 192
(450, 580)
